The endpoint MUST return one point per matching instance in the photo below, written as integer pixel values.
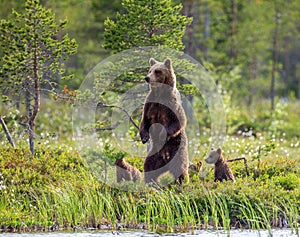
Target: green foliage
(146, 23)
(263, 150)
(108, 154)
(143, 23)
(33, 48)
(240, 35)
(210, 38)
(54, 120)
(58, 183)
(101, 161)
(51, 166)
(85, 24)
(57, 187)
(111, 154)
(288, 182)
(269, 169)
(33, 55)
(255, 120)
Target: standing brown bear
(222, 168)
(163, 122)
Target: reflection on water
(233, 233)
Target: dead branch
(7, 133)
(245, 163)
(113, 127)
(122, 109)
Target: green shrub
(49, 165)
(288, 182)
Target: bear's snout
(208, 160)
(147, 79)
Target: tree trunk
(188, 11)
(233, 29)
(252, 77)
(8, 136)
(31, 136)
(286, 65)
(275, 53)
(296, 81)
(206, 32)
(298, 87)
(30, 125)
(36, 97)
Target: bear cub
(126, 172)
(222, 168)
(163, 123)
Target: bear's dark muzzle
(147, 79)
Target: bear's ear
(152, 61)
(219, 151)
(168, 63)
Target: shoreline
(281, 224)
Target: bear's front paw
(145, 137)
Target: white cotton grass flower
(2, 186)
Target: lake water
(233, 233)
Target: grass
(57, 190)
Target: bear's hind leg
(153, 168)
(183, 178)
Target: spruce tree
(146, 23)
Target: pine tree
(33, 54)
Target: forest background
(229, 37)
(250, 48)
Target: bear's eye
(157, 72)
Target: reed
(54, 196)
(104, 207)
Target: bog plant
(57, 190)
(100, 160)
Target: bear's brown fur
(163, 122)
(126, 172)
(222, 168)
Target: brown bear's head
(213, 156)
(161, 73)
